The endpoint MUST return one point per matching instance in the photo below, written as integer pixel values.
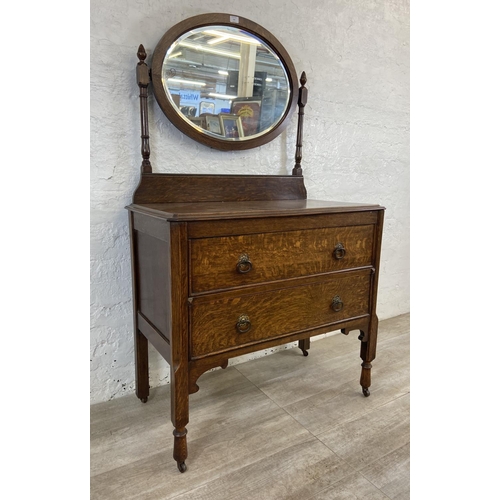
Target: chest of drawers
(219, 272)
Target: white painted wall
(356, 141)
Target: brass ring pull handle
(337, 304)
(339, 251)
(243, 325)
(244, 264)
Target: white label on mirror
(234, 19)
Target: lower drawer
(228, 321)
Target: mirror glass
(225, 85)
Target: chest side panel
(152, 271)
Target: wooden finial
(142, 73)
(302, 101)
(141, 52)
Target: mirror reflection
(226, 82)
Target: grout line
(380, 458)
(354, 470)
(359, 471)
(315, 394)
(251, 463)
(349, 475)
(362, 414)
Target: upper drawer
(230, 261)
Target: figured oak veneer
(245, 265)
(277, 255)
(276, 313)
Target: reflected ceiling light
(222, 72)
(216, 41)
(269, 79)
(195, 46)
(188, 82)
(222, 96)
(175, 54)
(225, 36)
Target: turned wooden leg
(180, 414)
(304, 345)
(180, 449)
(367, 354)
(141, 367)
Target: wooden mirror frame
(221, 20)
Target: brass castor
(366, 392)
(144, 400)
(182, 466)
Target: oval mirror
(224, 81)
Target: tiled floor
(282, 427)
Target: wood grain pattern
(302, 101)
(160, 342)
(197, 366)
(275, 313)
(276, 256)
(179, 368)
(153, 226)
(192, 188)
(140, 341)
(313, 267)
(369, 338)
(235, 211)
(154, 281)
(272, 224)
(142, 75)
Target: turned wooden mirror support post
(142, 72)
(297, 170)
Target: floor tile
(391, 473)
(294, 473)
(353, 487)
(345, 401)
(372, 435)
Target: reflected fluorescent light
(222, 96)
(224, 36)
(216, 41)
(188, 82)
(222, 72)
(269, 79)
(195, 46)
(175, 54)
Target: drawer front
(234, 320)
(231, 261)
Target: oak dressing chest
(225, 265)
